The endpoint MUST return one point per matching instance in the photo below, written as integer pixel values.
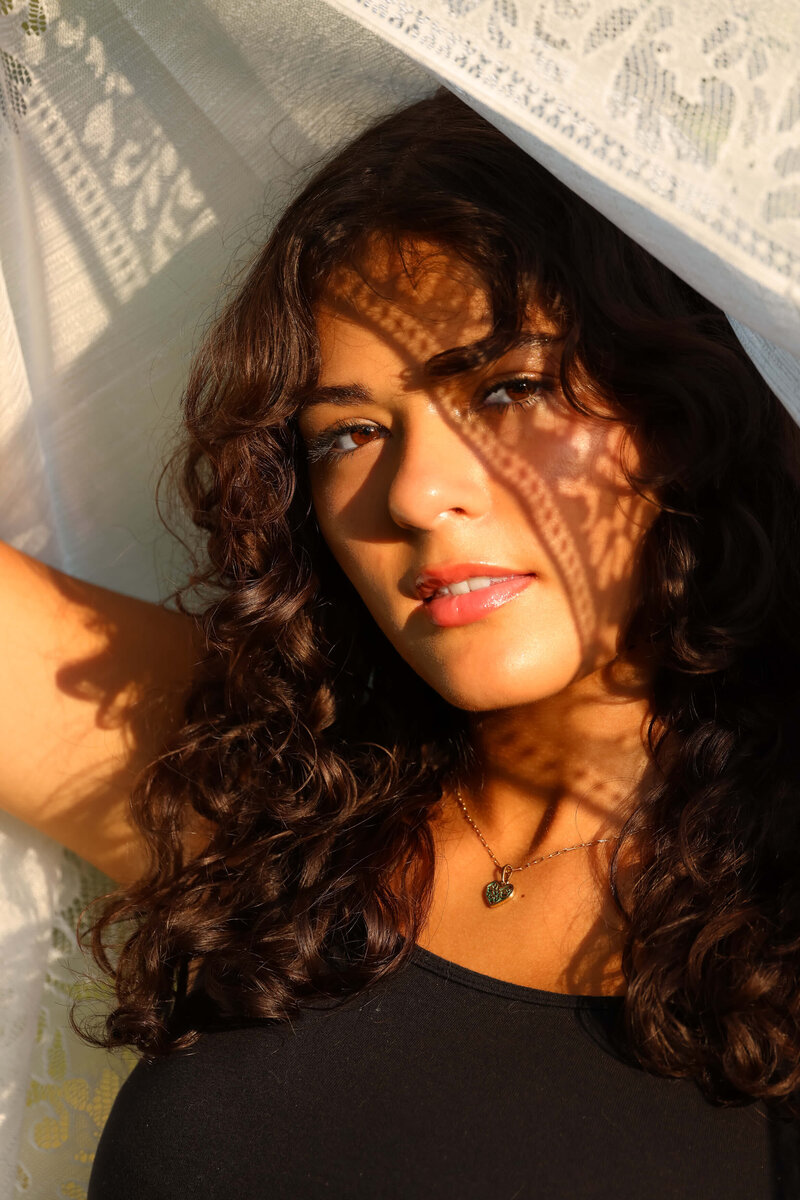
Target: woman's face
(423, 485)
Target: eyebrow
(354, 393)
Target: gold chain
(508, 868)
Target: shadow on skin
(133, 680)
(585, 522)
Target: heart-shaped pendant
(497, 893)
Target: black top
(437, 1084)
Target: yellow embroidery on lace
(72, 1085)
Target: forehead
(420, 290)
(418, 300)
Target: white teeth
(473, 584)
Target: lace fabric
(71, 1086)
(144, 146)
(680, 122)
(144, 150)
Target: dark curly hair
(316, 785)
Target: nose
(436, 472)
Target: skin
(92, 685)
(447, 472)
(94, 681)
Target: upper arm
(91, 686)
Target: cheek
(608, 522)
(344, 519)
(568, 480)
(573, 491)
(603, 512)
(336, 508)
(347, 497)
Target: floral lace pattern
(72, 1085)
(15, 78)
(143, 145)
(679, 121)
(140, 141)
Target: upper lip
(430, 579)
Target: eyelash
(320, 448)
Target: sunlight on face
(486, 475)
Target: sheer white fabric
(147, 145)
(679, 121)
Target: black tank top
(437, 1084)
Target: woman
(501, 541)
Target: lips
(431, 579)
(447, 610)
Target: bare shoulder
(92, 685)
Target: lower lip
(473, 606)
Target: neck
(569, 768)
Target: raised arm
(91, 685)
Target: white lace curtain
(679, 121)
(144, 149)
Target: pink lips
(449, 611)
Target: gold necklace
(497, 893)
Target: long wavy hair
(314, 756)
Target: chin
(475, 691)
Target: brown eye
(512, 393)
(361, 436)
(340, 441)
(516, 390)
